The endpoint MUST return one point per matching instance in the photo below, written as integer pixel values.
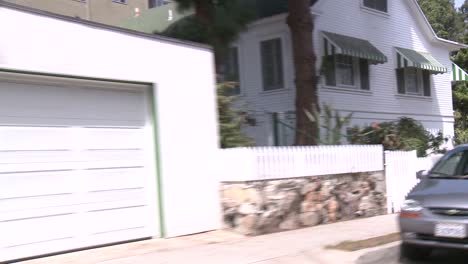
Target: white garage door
(75, 166)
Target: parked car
(435, 212)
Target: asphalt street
(392, 256)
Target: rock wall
(261, 207)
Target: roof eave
(451, 45)
(102, 26)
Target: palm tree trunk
(301, 25)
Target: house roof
(161, 18)
(427, 28)
(128, 31)
(158, 20)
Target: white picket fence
(400, 174)
(257, 163)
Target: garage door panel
(122, 219)
(115, 199)
(119, 235)
(35, 138)
(16, 185)
(41, 248)
(114, 179)
(117, 138)
(25, 157)
(71, 103)
(96, 159)
(36, 202)
(37, 230)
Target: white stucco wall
(397, 29)
(186, 104)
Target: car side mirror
(421, 174)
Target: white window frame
(371, 9)
(419, 81)
(356, 75)
(283, 60)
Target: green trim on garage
(154, 113)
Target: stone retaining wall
(261, 207)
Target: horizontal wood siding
(382, 102)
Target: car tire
(413, 252)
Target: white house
(385, 61)
(98, 143)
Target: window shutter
(427, 83)
(329, 67)
(401, 80)
(364, 74)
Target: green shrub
(403, 134)
(461, 137)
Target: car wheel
(414, 252)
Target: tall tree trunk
(205, 12)
(301, 25)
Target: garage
(107, 135)
(76, 163)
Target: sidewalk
(298, 246)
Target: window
(379, 5)
(157, 3)
(346, 71)
(120, 1)
(272, 64)
(231, 69)
(413, 81)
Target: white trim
(411, 96)
(339, 89)
(26, 78)
(427, 28)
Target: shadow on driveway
(392, 256)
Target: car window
(449, 166)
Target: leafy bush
(461, 137)
(404, 134)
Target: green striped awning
(339, 44)
(421, 60)
(458, 74)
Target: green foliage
(461, 137)
(219, 25)
(460, 103)
(333, 123)
(230, 120)
(404, 134)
